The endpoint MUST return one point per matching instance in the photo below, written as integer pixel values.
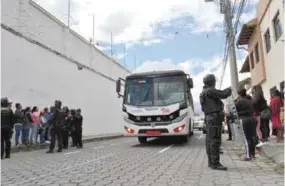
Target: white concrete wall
(274, 60)
(33, 75)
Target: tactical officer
(72, 125)
(57, 127)
(78, 128)
(7, 124)
(66, 128)
(213, 107)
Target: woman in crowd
(35, 125)
(43, 125)
(275, 105)
(27, 126)
(260, 107)
(245, 112)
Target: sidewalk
(274, 151)
(86, 139)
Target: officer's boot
(7, 156)
(219, 166)
(59, 150)
(49, 152)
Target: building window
(277, 26)
(267, 40)
(256, 48)
(252, 60)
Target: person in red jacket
(275, 105)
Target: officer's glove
(229, 91)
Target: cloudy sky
(172, 34)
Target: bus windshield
(160, 91)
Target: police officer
(7, 124)
(212, 106)
(57, 127)
(78, 128)
(72, 125)
(66, 128)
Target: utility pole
(68, 15)
(226, 9)
(111, 45)
(124, 55)
(93, 30)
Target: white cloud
(134, 21)
(213, 66)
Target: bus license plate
(151, 132)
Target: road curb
(45, 146)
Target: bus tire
(185, 139)
(142, 140)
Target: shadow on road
(162, 142)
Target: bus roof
(157, 74)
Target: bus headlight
(180, 118)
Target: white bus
(157, 104)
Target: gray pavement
(123, 161)
(274, 151)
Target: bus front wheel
(142, 140)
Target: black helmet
(65, 108)
(57, 103)
(73, 111)
(4, 102)
(209, 80)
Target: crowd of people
(263, 114)
(253, 112)
(39, 127)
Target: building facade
(40, 59)
(264, 37)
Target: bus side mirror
(118, 88)
(190, 83)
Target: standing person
(245, 112)
(260, 106)
(27, 125)
(35, 125)
(212, 106)
(56, 127)
(43, 126)
(275, 105)
(229, 118)
(19, 121)
(66, 128)
(50, 119)
(45, 133)
(78, 128)
(72, 125)
(7, 121)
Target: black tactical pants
(56, 133)
(6, 141)
(73, 138)
(213, 138)
(78, 136)
(249, 128)
(65, 137)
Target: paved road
(123, 161)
